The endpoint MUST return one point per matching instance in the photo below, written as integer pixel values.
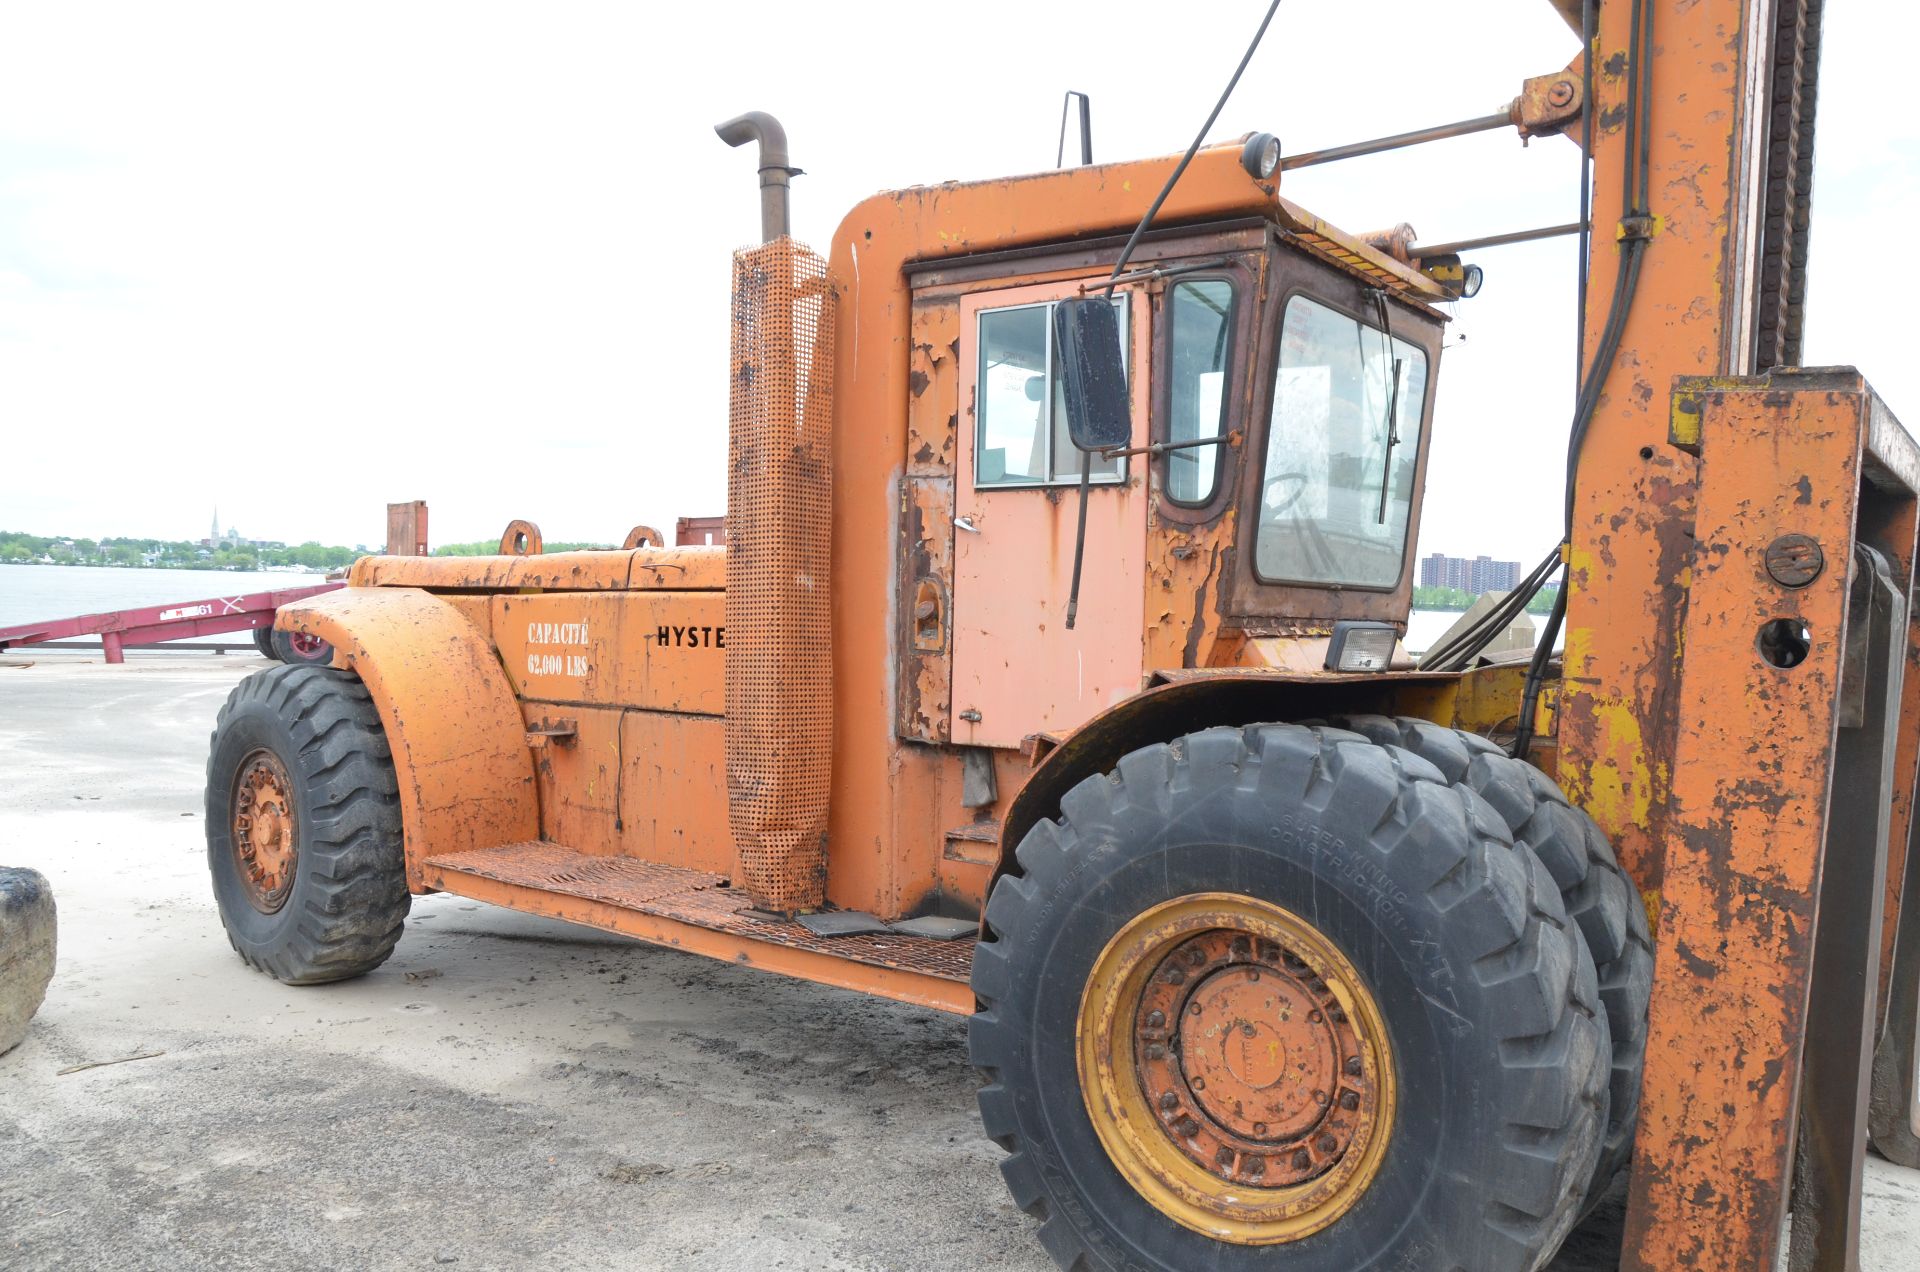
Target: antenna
(1086, 128)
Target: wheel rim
(265, 841)
(309, 647)
(1236, 1068)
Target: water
(32, 593)
(1426, 626)
(29, 593)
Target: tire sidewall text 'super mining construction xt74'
(1487, 992)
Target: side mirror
(1093, 373)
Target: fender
(459, 742)
(1191, 700)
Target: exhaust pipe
(775, 171)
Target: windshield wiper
(1393, 404)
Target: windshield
(1337, 489)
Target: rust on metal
(1246, 1060)
(642, 537)
(1753, 767)
(779, 597)
(681, 569)
(520, 538)
(407, 528)
(1794, 560)
(266, 839)
(1550, 104)
(449, 713)
(1235, 1068)
(699, 912)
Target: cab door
(1017, 669)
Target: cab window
(1337, 487)
(1202, 328)
(1021, 413)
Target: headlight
(1361, 646)
(1261, 155)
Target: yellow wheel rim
(1236, 1068)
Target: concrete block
(26, 950)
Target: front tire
(1461, 957)
(304, 839)
(1598, 893)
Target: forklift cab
(1252, 422)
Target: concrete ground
(506, 1091)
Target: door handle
(965, 523)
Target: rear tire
(1599, 895)
(1486, 992)
(304, 839)
(263, 641)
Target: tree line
(18, 548)
(1453, 598)
(166, 554)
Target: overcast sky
(302, 261)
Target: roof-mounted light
(1261, 156)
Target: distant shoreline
(183, 567)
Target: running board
(697, 912)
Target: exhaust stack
(776, 172)
(779, 733)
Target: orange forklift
(1052, 674)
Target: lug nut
(1354, 1065)
(1224, 1157)
(1169, 1101)
(1349, 1100)
(1188, 1127)
(1155, 1019)
(1326, 1144)
(1302, 1160)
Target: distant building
(234, 539)
(1476, 575)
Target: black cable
(1455, 653)
(1200, 137)
(1119, 267)
(1585, 219)
(1537, 672)
(1636, 173)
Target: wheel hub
(1236, 1069)
(265, 844)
